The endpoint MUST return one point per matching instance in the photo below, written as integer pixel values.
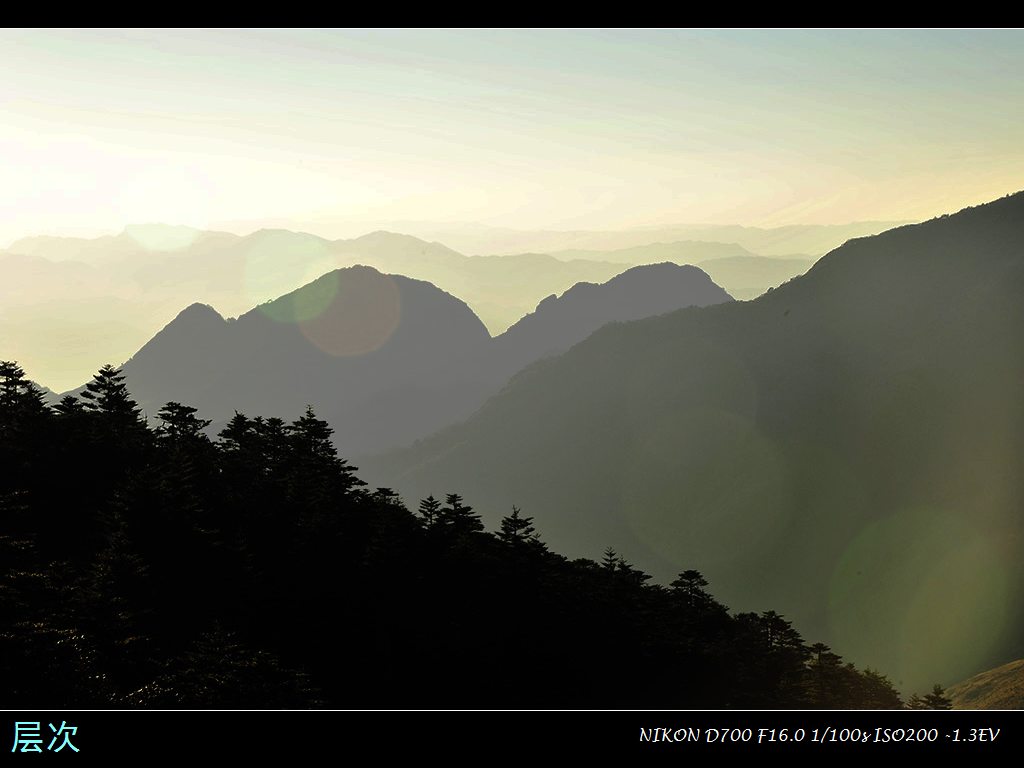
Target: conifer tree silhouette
(518, 531)
(937, 699)
(458, 518)
(429, 511)
(107, 394)
(258, 570)
(610, 560)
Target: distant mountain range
(811, 239)
(677, 252)
(67, 305)
(747, 277)
(848, 446)
(386, 359)
(744, 274)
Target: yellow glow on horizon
(570, 129)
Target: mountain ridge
(432, 363)
(880, 386)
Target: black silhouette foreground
(153, 567)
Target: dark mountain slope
(849, 447)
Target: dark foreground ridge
(153, 567)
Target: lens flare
(277, 262)
(363, 312)
(921, 594)
(161, 237)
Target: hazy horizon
(351, 231)
(332, 130)
(424, 230)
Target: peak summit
(198, 313)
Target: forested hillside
(153, 567)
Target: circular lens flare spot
(922, 595)
(277, 262)
(362, 314)
(162, 237)
(306, 303)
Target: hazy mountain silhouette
(559, 322)
(500, 289)
(743, 274)
(388, 359)
(377, 353)
(124, 247)
(810, 239)
(66, 303)
(679, 252)
(27, 272)
(849, 446)
(747, 277)
(999, 688)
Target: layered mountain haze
(678, 252)
(500, 289)
(559, 322)
(122, 248)
(811, 239)
(67, 304)
(747, 277)
(744, 274)
(669, 436)
(386, 359)
(849, 446)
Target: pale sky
(566, 129)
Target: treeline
(150, 566)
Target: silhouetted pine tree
(179, 424)
(937, 699)
(631, 573)
(429, 511)
(828, 681)
(518, 531)
(386, 497)
(688, 588)
(21, 401)
(70, 406)
(107, 396)
(873, 691)
(459, 519)
(610, 560)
